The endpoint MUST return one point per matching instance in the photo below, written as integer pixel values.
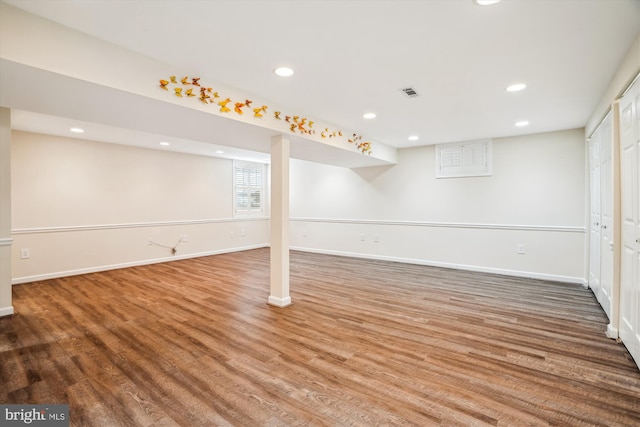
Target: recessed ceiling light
(76, 130)
(219, 152)
(486, 2)
(369, 115)
(413, 138)
(283, 71)
(522, 123)
(516, 87)
(165, 143)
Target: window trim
(247, 167)
(483, 167)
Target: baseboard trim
(58, 274)
(612, 332)
(480, 269)
(6, 311)
(279, 302)
(455, 266)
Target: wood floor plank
(193, 343)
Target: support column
(279, 222)
(6, 308)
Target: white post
(279, 222)
(5, 212)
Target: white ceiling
(351, 57)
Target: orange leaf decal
(223, 105)
(257, 112)
(238, 107)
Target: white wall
(626, 72)
(535, 197)
(82, 206)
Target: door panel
(594, 229)
(606, 216)
(630, 210)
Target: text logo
(34, 415)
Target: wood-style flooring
(365, 343)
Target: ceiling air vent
(410, 92)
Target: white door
(606, 215)
(630, 200)
(594, 229)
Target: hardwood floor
(193, 343)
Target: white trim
(515, 227)
(58, 274)
(480, 269)
(75, 228)
(612, 332)
(628, 87)
(6, 311)
(6, 242)
(609, 110)
(279, 302)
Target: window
(248, 183)
(464, 159)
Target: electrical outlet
(25, 253)
(376, 238)
(184, 237)
(149, 241)
(242, 233)
(521, 248)
(362, 237)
